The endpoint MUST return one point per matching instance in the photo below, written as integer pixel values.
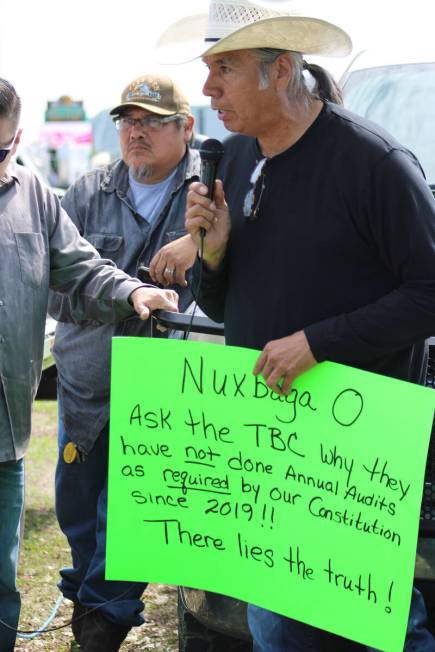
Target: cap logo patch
(143, 89)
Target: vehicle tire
(193, 636)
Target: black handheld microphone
(211, 152)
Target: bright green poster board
(307, 506)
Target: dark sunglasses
(251, 205)
(5, 150)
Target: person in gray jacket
(133, 212)
(41, 248)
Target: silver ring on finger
(170, 270)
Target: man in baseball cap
(133, 212)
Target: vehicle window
(401, 99)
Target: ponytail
(302, 88)
(326, 87)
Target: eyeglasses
(5, 150)
(151, 122)
(252, 201)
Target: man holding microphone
(320, 238)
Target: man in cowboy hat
(320, 239)
(133, 212)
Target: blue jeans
(11, 508)
(81, 508)
(274, 633)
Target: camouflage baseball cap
(156, 93)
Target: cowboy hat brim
(186, 38)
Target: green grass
(45, 550)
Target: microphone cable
(211, 152)
(197, 290)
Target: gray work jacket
(99, 205)
(41, 248)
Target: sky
(91, 49)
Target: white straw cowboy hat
(241, 25)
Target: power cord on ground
(43, 628)
(29, 634)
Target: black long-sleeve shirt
(343, 247)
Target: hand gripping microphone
(211, 152)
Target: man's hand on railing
(145, 300)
